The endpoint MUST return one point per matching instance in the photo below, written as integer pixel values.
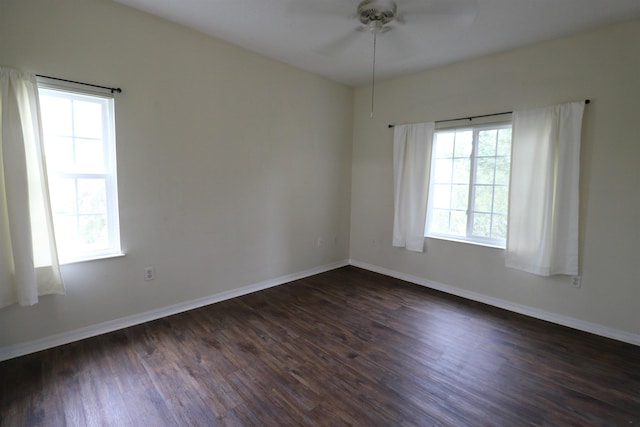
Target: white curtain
(544, 196)
(28, 260)
(411, 163)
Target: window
(469, 185)
(79, 145)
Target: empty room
(319, 212)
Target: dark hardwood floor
(347, 347)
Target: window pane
(442, 173)
(92, 196)
(57, 120)
(482, 225)
(487, 142)
(485, 170)
(499, 227)
(441, 196)
(59, 154)
(440, 221)
(89, 156)
(461, 171)
(464, 143)
(483, 198)
(458, 223)
(501, 200)
(87, 119)
(502, 170)
(66, 227)
(460, 197)
(444, 144)
(504, 142)
(93, 231)
(63, 195)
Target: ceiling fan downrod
(373, 73)
(375, 15)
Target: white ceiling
(319, 35)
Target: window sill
(95, 258)
(469, 242)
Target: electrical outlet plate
(149, 274)
(576, 281)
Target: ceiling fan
(409, 20)
(378, 17)
(375, 15)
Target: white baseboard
(571, 322)
(9, 352)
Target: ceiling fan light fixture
(375, 26)
(379, 11)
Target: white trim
(95, 258)
(461, 239)
(11, 351)
(570, 322)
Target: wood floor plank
(346, 347)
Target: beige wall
(230, 165)
(602, 65)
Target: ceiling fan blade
(395, 44)
(321, 9)
(444, 12)
(340, 45)
(439, 7)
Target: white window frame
(109, 176)
(469, 237)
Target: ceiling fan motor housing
(375, 14)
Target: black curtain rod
(587, 101)
(112, 89)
